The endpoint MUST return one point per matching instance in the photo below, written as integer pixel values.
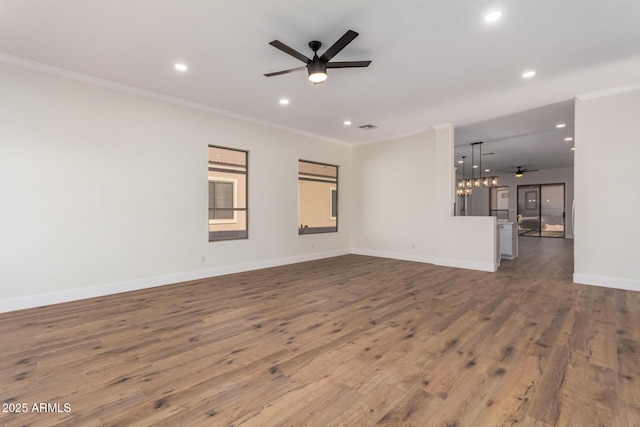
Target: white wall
(607, 235)
(403, 205)
(466, 242)
(106, 191)
(394, 209)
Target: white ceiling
(529, 139)
(433, 61)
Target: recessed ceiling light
(347, 122)
(284, 101)
(493, 16)
(460, 161)
(528, 74)
(487, 170)
(475, 166)
(573, 148)
(568, 138)
(561, 125)
(180, 67)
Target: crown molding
(441, 126)
(84, 78)
(393, 137)
(608, 92)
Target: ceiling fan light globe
(318, 77)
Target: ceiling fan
(317, 66)
(520, 171)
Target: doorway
(541, 210)
(499, 203)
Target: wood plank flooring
(346, 341)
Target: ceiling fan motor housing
(317, 66)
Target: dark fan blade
(339, 45)
(348, 64)
(291, 51)
(277, 73)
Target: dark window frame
(241, 234)
(304, 229)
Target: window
(334, 204)
(222, 197)
(317, 197)
(227, 194)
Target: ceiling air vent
(367, 127)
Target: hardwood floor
(346, 341)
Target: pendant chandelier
(464, 186)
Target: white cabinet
(508, 240)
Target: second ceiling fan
(520, 171)
(317, 66)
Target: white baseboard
(469, 265)
(607, 282)
(31, 301)
(394, 255)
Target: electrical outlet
(313, 246)
(202, 259)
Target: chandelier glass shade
(465, 186)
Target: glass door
(528, 210)
(541, 210)
(552, 213)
